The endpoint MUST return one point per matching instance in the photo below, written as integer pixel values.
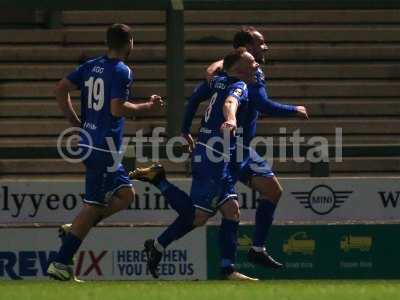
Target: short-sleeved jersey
(220, 88)
(100, 80)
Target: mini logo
(351, 242)
(299, 243)
(322, 199)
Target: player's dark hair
(243, 37)
(233, 57)
(118, 36)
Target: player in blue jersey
(104, 83)
(253, 170)
(210, 162)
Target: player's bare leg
(201, 217)
(87, 218)
(120, 201)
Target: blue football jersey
(250, 120)
(100, 80)
(219, 88)
(259, 102)
(210, 139)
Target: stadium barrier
(111, 253)
(304, 200)
(108, 253)
(319, 251)
(320, 245)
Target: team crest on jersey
(238, 92)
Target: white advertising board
(305, 199)
(108, 253)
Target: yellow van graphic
(351, 242)
(299, 243)
(244, 243)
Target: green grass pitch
(204, 290)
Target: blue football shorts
(253, 165)
(101, 185)
(212, 184)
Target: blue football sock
(264, 218)
(228, 242)
(68, 248)
(163, 185)
(182, 225)
(176, 198)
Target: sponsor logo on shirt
(238, 92)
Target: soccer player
(209, 193)
(104, 83)
(253, 170)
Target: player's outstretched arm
(302, 112)
(272, 108)
(62, 93)
(124, 108)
